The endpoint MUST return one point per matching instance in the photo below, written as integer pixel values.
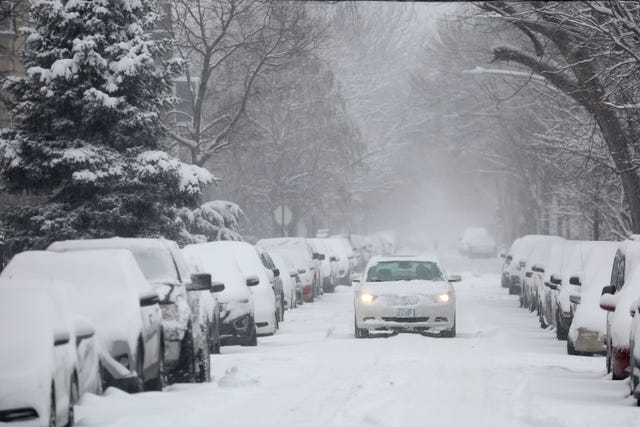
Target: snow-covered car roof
(154, 255)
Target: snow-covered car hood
(406, 287)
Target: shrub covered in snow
(88, 129)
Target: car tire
(541, 319)
(359, 332)
(138, 385)
(562, 334)
(53, 422)
(74, 396)
(203, 360)
(251, 340)
(450, 333)
(186, 371)
(159, 382)
(571, 348)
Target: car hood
(406, 287)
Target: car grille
(405, 319)
(20, 414)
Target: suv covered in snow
(190, 316)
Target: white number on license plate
(405, 312)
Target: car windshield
(389, 271)
(156, 264)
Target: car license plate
(405, 312)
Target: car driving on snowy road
(405, 294)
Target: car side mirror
(608, 290)
(556, 279)
(537, 268)
(333, 259)
(83, 329)
(575, 299)
(355, 277)
(253, 281)
(575, 280)
(200, 282)
(632, 312)
(608, 302)
(301, 271)
(276, 272)
(522, 264)
(453, 278)
(551, 285)
(60, 337)
(217, 287)
(149, 298)
(321, 257)
(502, 255)
(293, 273)
(528, 274)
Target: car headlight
(367, 298)
(444, 297)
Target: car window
(388, 271)
(620, 281)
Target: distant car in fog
(405, 294)
(477, 242)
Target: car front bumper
(427, 317)
(236, 331)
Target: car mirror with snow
(528, 274)
(301, 271)
(608, 290)
(556, 279)
(149, 298)
(293, 273)
(200, 282)
(575, 280)
(276, 272)
(453, 278)
(551, 285)
(83, 328)
(333, 259)
(253, 281)
(608, 302)
(537, 268)
(575, 298)
(355, 277)
(217, 287)
(60, 337)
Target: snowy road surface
(501, 370)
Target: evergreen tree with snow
(88, 130)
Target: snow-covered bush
(215, 220)
(88, 129)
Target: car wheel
(571, 348)
(185, 371)
(74, 396)
(450, 333)
(608, 358)
(158, 383)
(138, 385)
(561, 332)
(52, 408)
(541, 319)
(358, 332)
(203, 360)
(252, 340)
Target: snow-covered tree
(214, 220)
(87, 136)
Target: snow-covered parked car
(237, 326)
(634, 351)
(579, 297)
(288, 274)
(534, 270)
(547, 293)
(190, 316)
(108, 288)
(347, 250)
(520, 252)
(38, 368)
(505, 280)
(477, 242)
(275, 278)
(343, 261)
(264, 297)
(617, 299)
(306, 260)
(404, 294)
(83, 340)
(328, 269)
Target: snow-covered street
(501, 370)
